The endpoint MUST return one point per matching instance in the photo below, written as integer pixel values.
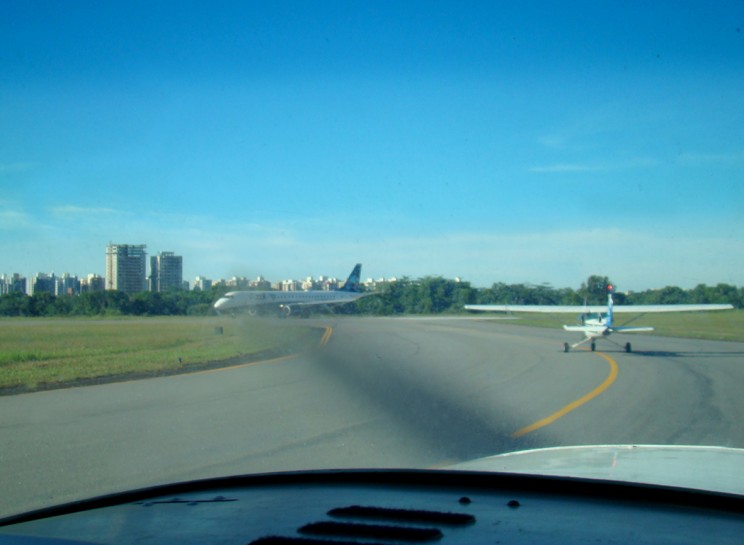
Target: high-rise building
(202, 284)
(166, 272)
(91, 283)
(67, 284)
(42, 282)
(12, 284)
(126, 266)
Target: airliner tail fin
(352, 283)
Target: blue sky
(525, 143)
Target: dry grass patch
(36, 351)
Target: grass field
(721, 326)
(37, 353)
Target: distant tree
(463, 294)
(41, 304)
(594, 290)
(567, 296)
(61, 306)
(15, 304)
(672, 295)
(395, 296)
(115, 302)
(726, 293)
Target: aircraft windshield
(344, 178)
(593, 316)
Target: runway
(379, 392)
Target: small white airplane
(597, 321)
(286, 301)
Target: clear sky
(532, 142)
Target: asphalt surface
(378, 393)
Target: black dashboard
(388, 507)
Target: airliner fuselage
(285, 301)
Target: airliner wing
(574, 309)
(299, 304)
(341, 298)
(313, 303)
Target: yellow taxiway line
(326, 336)
(574, 404)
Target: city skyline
(478, 141)
(191, 280)
(199, 280)
(127, 271)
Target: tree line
(435, 295)
(427, 295)
(108, 303)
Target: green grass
(721, 326)
(36, 352)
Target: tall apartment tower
(42, 282)
(166, 272)
(10, 284)
(126, 267)
(92, 283)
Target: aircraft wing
(642, 309)
(585, 328)
(305, 304)
(347, 298)
(573, 309)
(578, 309)
(614, 329)
(315, 303)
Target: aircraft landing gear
(594, 346)
(628, 348)
(566, 347)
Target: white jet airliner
(597, 321)
(286, 301)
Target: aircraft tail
(352, 283)
(610, 289)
